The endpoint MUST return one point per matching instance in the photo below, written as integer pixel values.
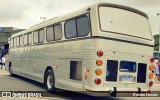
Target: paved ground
(8, 83)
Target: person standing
(3, 60)
(157, 73)
(1, 64)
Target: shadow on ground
(69, 95)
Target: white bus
(103, 48)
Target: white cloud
(26, 13)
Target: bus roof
(73, 14)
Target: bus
(99, 49)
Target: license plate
(127, 77)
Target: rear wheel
(49, 81)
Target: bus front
(124, 48)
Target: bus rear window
(124, 22)
(127, 66)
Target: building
(6, 32)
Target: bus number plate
(127, 77)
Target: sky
(23, 14)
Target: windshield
(124, 22)
(156, 55)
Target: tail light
(150, 83)
(99, 62)
(97, 81)
(100, 53)
(98, 72)
(151, 75)
(151, 60)
(149, 91)
(151, 67)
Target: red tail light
(100, 53)
(150, 83)
(151, 60)
(98, 81)
(149, 91)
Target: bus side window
(21, 40)
(11, 43)
(58, 31)
(41, 34)
(76, 70)
(50, 33)
(17, 42)
(35, 36)
(25, 39)
(70, 28)
(83, 26)
(29, 38)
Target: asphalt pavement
(8, 83)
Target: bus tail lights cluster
(151, 67)
(98, 71)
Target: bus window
(141, 77)
(35, 36)
(25, 39)
(41, 35)
(11, 42)
(83, 26)
(50, 33)
(126, 66)
(17, 41)
(58, 31)
(29, 38)
(156, 55)
(112, 70)
(70, 28)
(21, 40)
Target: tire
(49, 81)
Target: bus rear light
(150, 83)
(100, 53)
(99, 62)
(151, 60)
(98, 72)
(87, 70)
(151, 67)
(97, 81)
(149, 91)
(151, 75)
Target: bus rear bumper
(114, 90)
